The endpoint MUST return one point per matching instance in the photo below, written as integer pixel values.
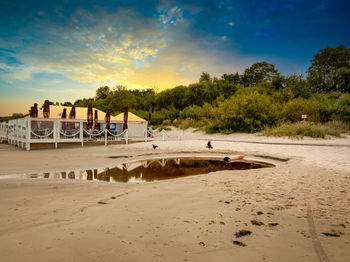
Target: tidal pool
(152, 170)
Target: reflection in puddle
(153, 170)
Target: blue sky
(64, 50)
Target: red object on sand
(233, 158)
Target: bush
(187, 123)
(342, 109)
(245, 111)
(163, 127)
(192, 111)
(158, 117)
(342, 127)
(293, 110)
(301, 129)
(207, 111)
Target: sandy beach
(292, 210)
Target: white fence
(26, 131)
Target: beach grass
(310, 129)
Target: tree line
(259, 97)
(248, 102)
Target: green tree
(261, 71)
(231, 78)
(298, 86)
(330, 70)
(102, 92)
(205, 77)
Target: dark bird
(154, 146)
(209, 145)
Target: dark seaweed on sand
(239, 243)
(333, 233)
(256, 223)
(243, 233)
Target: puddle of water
(150, 170)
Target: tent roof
(81, 114)
(131, 117)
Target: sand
(186, 219)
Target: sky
(62, 50)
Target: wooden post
(127, 136)
(163, 135)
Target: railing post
(127, 136)
(16, 133)
(163, 135)
(146, 135)
(105, 136)
(28, 133)
(56, 133)
(81, 132)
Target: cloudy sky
(63, 50)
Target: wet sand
(287, 209)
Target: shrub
(207, 111)
(247, 112)
(192, 111)
(342, 127)
(342, 109)
(301, 129)
(293, 110)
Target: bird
(154, 146)
(209, 145)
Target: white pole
(146, 135)
(81, 133)
(127, 136)
(28, 133)
(16, 133)
(56, 132)
(105, 136)
(163, 135)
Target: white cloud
(120, 48)
(170, 15)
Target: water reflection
(152, 170)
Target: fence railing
(26, 131)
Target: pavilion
(60, 127)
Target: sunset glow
(64, 50)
